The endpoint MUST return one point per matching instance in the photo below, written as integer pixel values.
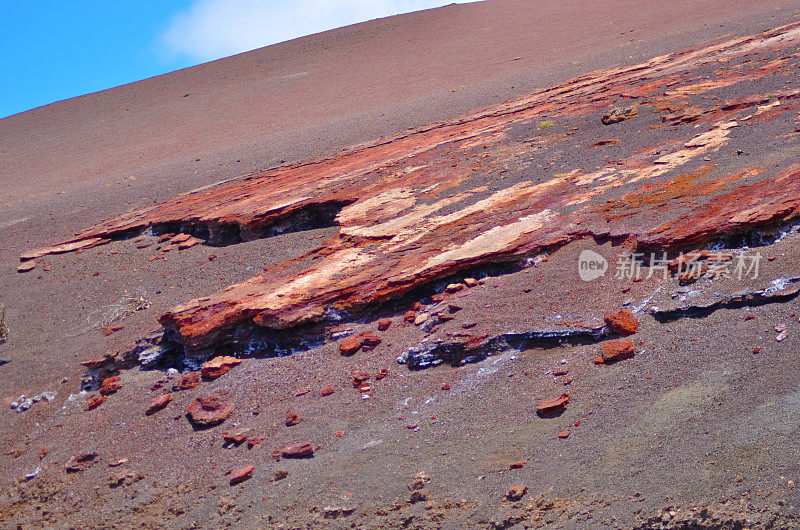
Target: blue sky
(53, 50)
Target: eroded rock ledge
(661, 155)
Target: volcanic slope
(577, 308)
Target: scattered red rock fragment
(292, 418)
(180, 238)
(125, 476)
(744, 102)
(369, 341)
(240, 475)
(111, 385)
(327, 390)
(563, 435)
(253, 441)
(351, 345)
(219, 366)
(80, 462)
(622, 322)
(384, 324)
(616, 350)
(158, 403)
(212, 409)
(419, 496)
(419, 482)
(551, 407)
(687, 115)
(298, 450)
(109, 330)
(237, 437)
(94, 402)
(188, 380)
(603, 143)
(410, 316)
(470, 282)
(359, 378)
(97, 362)
(454, 308)
(279, 474)
(516, 493)
(189, 243)
(454, 287)
(517, 465)
(619, 114)
(383, 372)
(63, 248)
(25, 267)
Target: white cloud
(211, 29)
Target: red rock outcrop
(206, 411)
(439, 200)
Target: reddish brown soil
(705, 413)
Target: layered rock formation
(671, 166)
